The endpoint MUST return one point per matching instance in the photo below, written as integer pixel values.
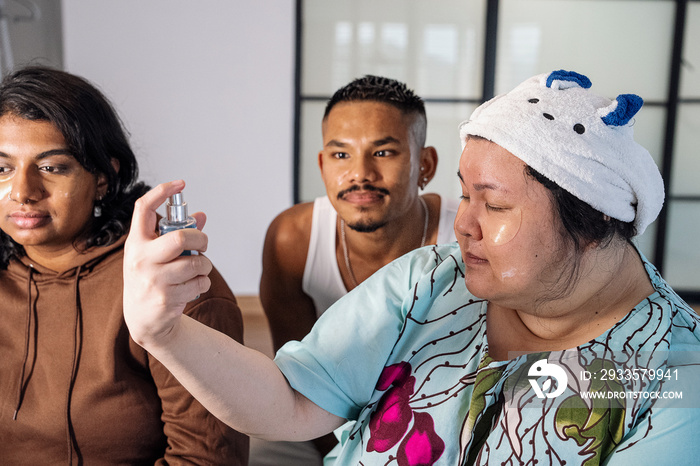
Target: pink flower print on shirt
(396, 375)
(422, 446)
(390, 421)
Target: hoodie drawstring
(20, 389)
(77, 349)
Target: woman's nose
(467, 222)
(26, 187)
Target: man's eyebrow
(376, 143)
(386, 140)
(335, 143)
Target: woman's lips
(28, 220)
(471, 259)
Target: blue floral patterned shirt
(405, 356)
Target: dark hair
(584, 224)
(384, 90)
(95, 136)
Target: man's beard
(365, 226)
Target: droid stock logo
(542, 368)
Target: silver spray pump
(176, 218)
(176, 209)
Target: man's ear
(428, 165)
(320, 161)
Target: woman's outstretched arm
(242, 387)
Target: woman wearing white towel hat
(544, 334)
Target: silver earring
(97, 209)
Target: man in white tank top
(373, 162)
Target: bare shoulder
(287, 239)
(293, 225)
(290, 311)
(433, 201)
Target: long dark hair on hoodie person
(95, 136)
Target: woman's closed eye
(494, 208)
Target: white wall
(206, 90)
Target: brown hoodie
(74, 387)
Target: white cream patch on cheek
(6, 184)
(510, 273)
(63, 193)
(5, 189)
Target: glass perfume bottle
(176, 218)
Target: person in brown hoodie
(74, 387)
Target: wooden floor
(256, 333)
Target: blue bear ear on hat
(625, 107)
(566, 79)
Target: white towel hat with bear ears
(581, 141)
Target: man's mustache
(365, 187)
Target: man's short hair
(383, 90)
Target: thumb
(201, 219)
(143, 221)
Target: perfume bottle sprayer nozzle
(176, 209)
